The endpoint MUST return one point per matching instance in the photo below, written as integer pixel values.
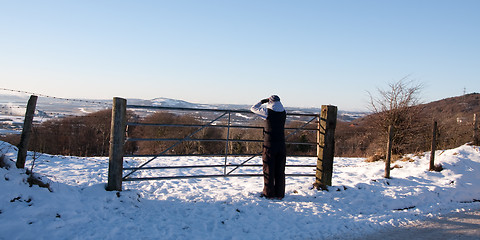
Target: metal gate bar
(208, 155)
(211, 140)
(217, 165)
(198, 125)
(210, 110)
(211, 176)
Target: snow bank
(359, 202)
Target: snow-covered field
(360, 201)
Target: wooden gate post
(389, 151)
(27, 129)
(117, 140)
(475, 130)
(434, 145)
(327, 122)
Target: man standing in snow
(274, 150)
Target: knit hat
(274, 98)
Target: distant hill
(456, 108)
(449, 109)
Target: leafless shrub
(397, 106)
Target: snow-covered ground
(360, 201)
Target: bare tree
(399, 96)
(397, 106)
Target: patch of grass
(397, 166)
(382, 157)
(375, 158)
(407, 159)
(396, 157)
(419, 154)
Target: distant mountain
(168, 102)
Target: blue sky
(310, 53)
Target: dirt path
(463, 225)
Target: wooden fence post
(475, 130)
(434, 145)
(327, 122)
(27, 129)
(389, 151)
(117, 140)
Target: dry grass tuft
(397, 166)
(407, 159)
(381, 157)
(376, 158)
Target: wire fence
(60, 125)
